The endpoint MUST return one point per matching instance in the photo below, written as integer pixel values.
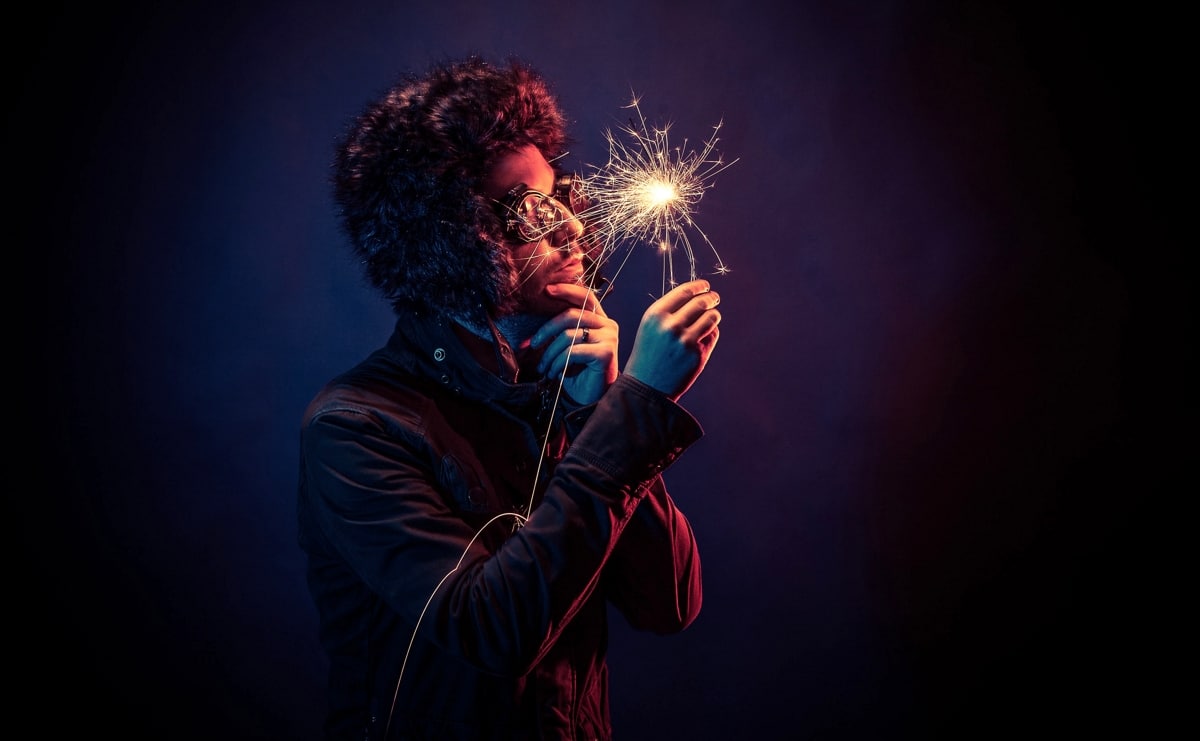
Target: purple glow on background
(919, 461)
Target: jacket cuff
(634, 432)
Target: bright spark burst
(647, 193)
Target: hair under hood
(408, 181)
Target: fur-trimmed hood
(408, 174)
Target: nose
(567, 237)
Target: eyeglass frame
(517, 224)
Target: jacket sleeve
(653, 577)
(381, 504)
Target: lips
(572, 272)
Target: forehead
(524, 165)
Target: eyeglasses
(531, 215)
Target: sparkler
(647, 192)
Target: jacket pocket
(468, 492)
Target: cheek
(528, 257)
(522, 252)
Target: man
(473, 494)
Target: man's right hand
(675, 339)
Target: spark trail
(646, 193)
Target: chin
(541, 305)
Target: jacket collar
(429, 346)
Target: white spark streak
(647, 193)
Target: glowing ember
(647, 193)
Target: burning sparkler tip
(647, 190)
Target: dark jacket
(434, 595)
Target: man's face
(542, 262)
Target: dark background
(928, 497)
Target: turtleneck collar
(508, 353)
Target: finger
(709, 341)
(567, 320)
(577, 296)
(599, 339)
(571, 322)
(699, 308)
(678, 296)
(698, 305)
(577, 338)
(701, 327)
(578, 356)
